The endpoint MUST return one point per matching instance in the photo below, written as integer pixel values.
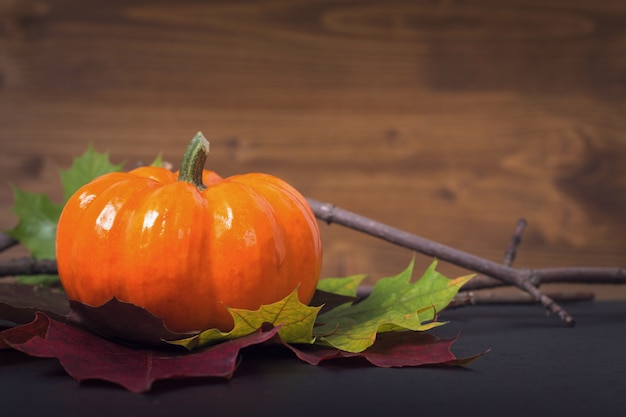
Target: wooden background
(450, 119)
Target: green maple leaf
(36, 230)
(158, 161)
(37, 225)
(296, 321)
(86, 168)
(394, 304)
(347, 286)
(38, 215)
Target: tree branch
(511, 250)
(560, 275)
(28, 266)
(465, 298)
(525, 279)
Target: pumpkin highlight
(186, 245)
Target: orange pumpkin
(186, 246)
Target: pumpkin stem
(193, 161)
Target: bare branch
(580, 275)
(466, 298)
(519, 278)
(511, 250)
(561, 275)
(28, 266)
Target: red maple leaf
(393, 349)
(87, 356)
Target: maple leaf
(346, 286)
(393, 349)
(19, 303)
(295, 319)
(38, 215)
(21, 334)
(36, 229)
(394, 304)
(333, 292)
(37, 224)
(158, 161)
(121, 321)
(86, 356)
(85, 168)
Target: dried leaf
(19, 303)
(122, 321)
(22, 334)
(394, 349)
(86, 356)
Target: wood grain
(448, 119)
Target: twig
(570, 275)
(28, 266)
(562, 275)
(511, 250)
(466, 298)
(518, 278)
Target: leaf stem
(193, 161)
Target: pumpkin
(185, 246)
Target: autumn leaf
(38, 215)
(328, 300)
(347, 286)
(158, 161)
(121, 321)
(392, 349)
(85, 168)
(295, 319)
(19, 303)
(394, 304)
(22, 334)
(114, 319)
(36, 229)
(86, 356)
(37, 224)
